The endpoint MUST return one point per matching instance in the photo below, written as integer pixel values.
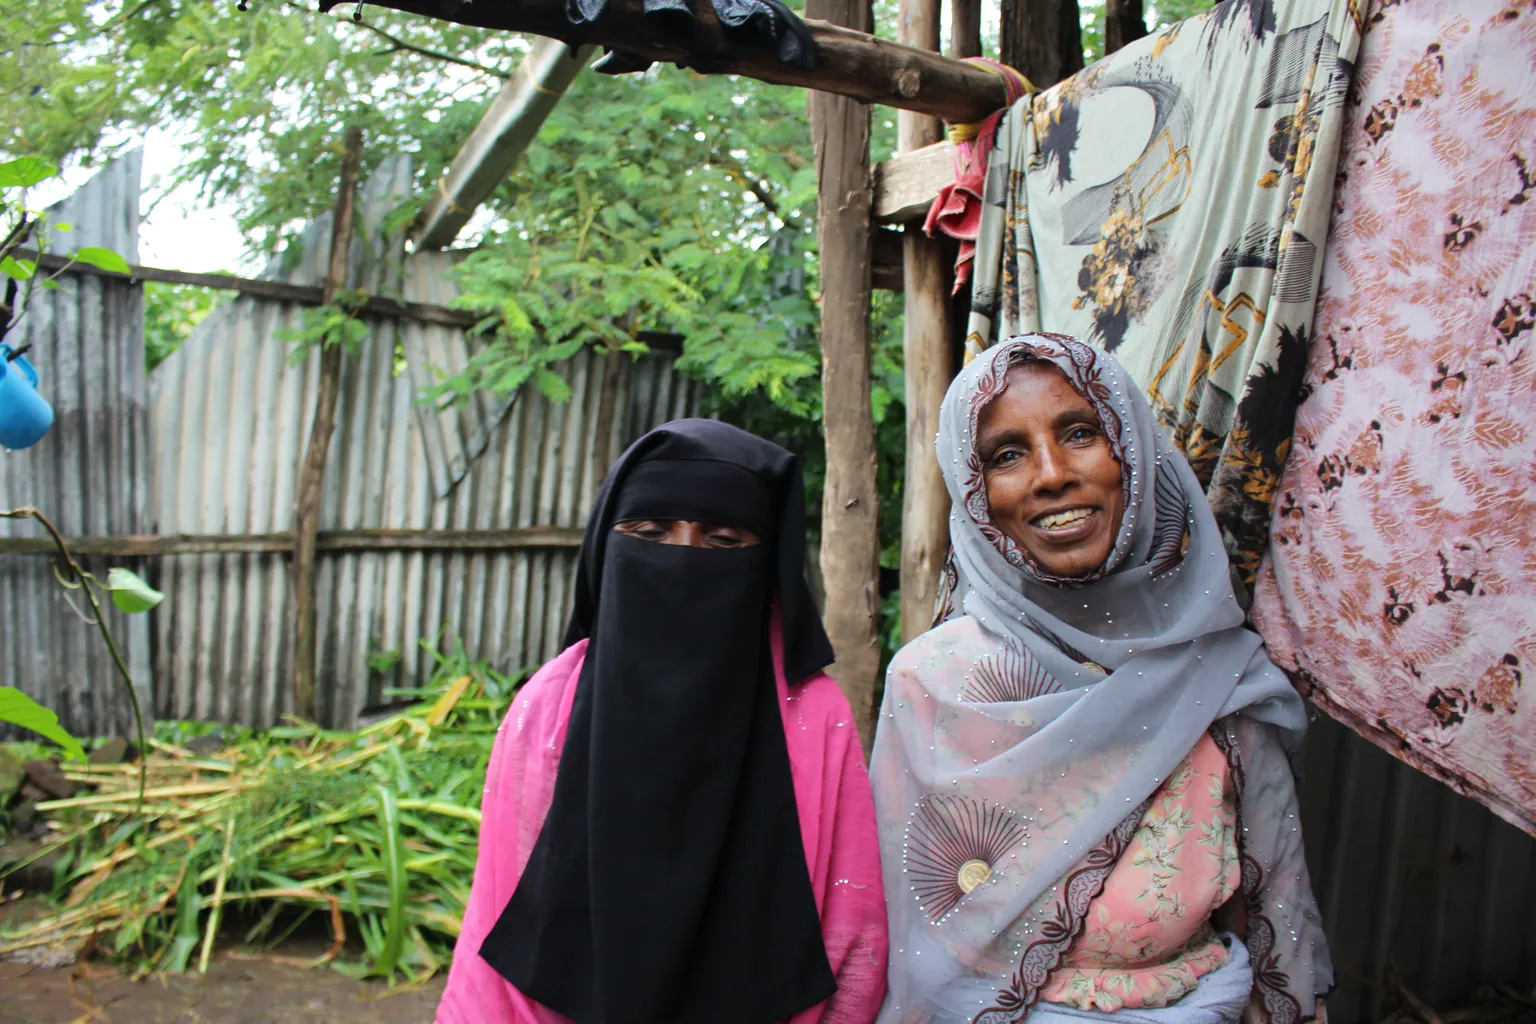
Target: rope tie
(1015, 86)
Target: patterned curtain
(1170, 204)
(1400, 587)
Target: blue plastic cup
(25, 415)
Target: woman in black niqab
(669, 882)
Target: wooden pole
(926, 285)
(1124, 22)
(1043, 39)
(499, 140)
(850, 62)
(306, 513)
(850, 527)
(964, 29)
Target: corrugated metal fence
(89, 474)
(1410, 876)
(231, 418)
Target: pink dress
(837, 823)
(1147, 939)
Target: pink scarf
(837, 823)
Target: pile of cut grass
(375, 831)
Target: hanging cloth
(1399, 588)
(1170, 204)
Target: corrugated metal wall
(231, 417)
(89, 474)
(1413, 878)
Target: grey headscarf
(1044, 733)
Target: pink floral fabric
(1147, 939)
(1402, 570)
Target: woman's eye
(1080, 435)
(1006, 457)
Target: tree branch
(400, 44)
(760, 187)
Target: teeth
(1057, 520)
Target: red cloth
(957, 209)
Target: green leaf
(19, 709)
(552, 385)
(399, 884)
(24, 171)
(130, 593)
(103, 259)
(17, 270)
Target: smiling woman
(1081, 775)
(1053, 483)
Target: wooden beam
(850, 524)
(326, 542)
(850, 62)
(308, 295)
(926, 366)
(493, 148)
(306, 515)
(907, 184)
(301, 294)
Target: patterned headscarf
(1046, 731)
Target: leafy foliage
(171, 311)
(1161, 13)
(261, 94)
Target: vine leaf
(130, 593)
(19, 709)
(102, 259)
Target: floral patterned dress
(1148, 937)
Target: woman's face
(686, 533)
(1053, 486)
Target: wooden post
(850, 527)
(926, 285)
(964, 29)
(1124, 22)
(1043, 39)
(306, 513)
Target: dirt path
(234, 991)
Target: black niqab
(669, 883)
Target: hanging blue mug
(25, 415)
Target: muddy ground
(238, 989)
(234, 991)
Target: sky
(178, 231)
